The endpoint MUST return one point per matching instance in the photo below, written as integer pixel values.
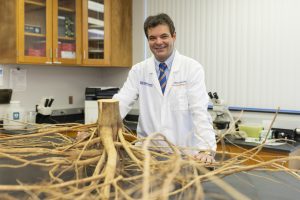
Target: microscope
(222, 118)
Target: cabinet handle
(56, 57)
(48, 62)
(84, 54)
(51, 53)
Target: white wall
(138, 37)
(249, 48)
(62, 82)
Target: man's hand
(205, 157)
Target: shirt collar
(168, 62)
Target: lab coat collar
(175, 69)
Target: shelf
(35, 35)
(66, 9)
(91, 26)
(96, 51)
(96, 39)
(67, 38)
(96, 7)
(35, 3)
(94, 21)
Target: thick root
(109, 122)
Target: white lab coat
(181, 113)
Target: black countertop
(258, 185)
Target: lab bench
(237, 146)
(254, 184)
(268, 152)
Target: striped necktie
(162, 76)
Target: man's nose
(158, 41)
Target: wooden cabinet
(41, 31)
(107, 33)
(34, 31)
(66, 32)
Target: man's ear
(174, 36)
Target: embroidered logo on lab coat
(146, 84)
(179, 83)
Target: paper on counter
(18, 79)
(271, 142)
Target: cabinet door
(66, 31)
(96, 32)
(35, 31)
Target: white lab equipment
(15, 117)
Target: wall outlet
(70, 99)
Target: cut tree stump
(109, 123)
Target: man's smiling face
(161, 42)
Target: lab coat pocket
(180, 100)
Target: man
(171, 92)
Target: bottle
(15, 116)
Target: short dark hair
(160, 19)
